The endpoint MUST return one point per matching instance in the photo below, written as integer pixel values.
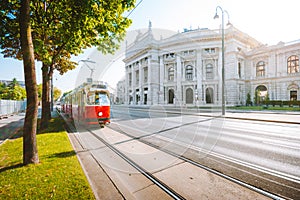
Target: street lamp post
(223, 60)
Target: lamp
(223, 59)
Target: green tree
(248, 99)
(13, 91)
(30, 153)
(16, 41)
(56, 93)
(40, 91)
(2, 86)
(62, 28)
(267, 99)
(257, 97)
(14, 83)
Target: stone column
(141, 80)
(178, 79)
(133, 84)
(198, 67)
(161, 81)
(126, 86)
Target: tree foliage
(40, 91)
(61, 28)
(56, 93)
(257, 97)
(248, 100)
(12, 91)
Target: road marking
(281, 145)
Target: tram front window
(102, 99)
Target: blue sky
(267, 21)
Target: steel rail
(148, 175)
(246, 185)
(162, 185)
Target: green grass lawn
(57, 176)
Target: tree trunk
(46, 111)
(30, 153)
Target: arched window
(260, 69)
(189, 72)
(171, 74)
(293, 64)
(209, 71)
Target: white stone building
(120, 96)
(186, 69)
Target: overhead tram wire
(134, 8)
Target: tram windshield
(98, 99)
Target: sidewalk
(10, 125)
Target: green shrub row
(282, 103)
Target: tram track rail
(213, 171)
(140, 169)
(159, 183)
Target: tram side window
(91, 99)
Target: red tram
(88, 104)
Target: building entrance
(189, 99)
(171, 96)
(209, 97)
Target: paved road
(251, 150)
(9, 126)
(186, 179)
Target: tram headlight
(100, 114)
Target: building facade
(120, 95)
(186, 69)
(6, 82)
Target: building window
(188, 52)
(210, 50)
(189, 72)
(293, 95)
(209, 71)
(169, 55)
(171, 74)
(130, 79)
(137, 77)
(293, 64)
(239, 70)
(145, 74)
(260, 69)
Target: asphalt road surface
(264, 154)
